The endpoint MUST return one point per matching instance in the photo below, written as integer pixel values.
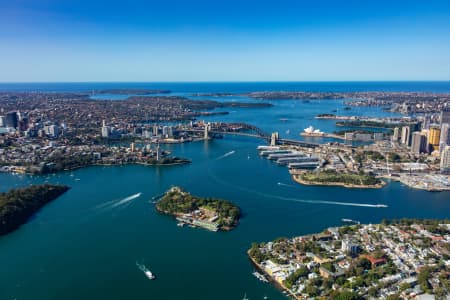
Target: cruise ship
(262, 148)
(285, 155)
(269, 152)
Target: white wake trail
(117, 202)
(226, 154)
(295, 199)
(126, 200)
(285, 184)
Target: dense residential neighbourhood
(407, 259)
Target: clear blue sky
(224, 40)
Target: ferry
(350, 221)
(260, 276)
(146, 271)
(286, 155)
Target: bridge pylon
(206, 131)
(274, 138)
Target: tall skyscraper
(155, 129)
(445, 134)
(53, 130)
(395, 135)
(426, 122)
(419, 143)
(405, 135)
(11, 120)
(2, 121)
(445, 160)
(434, 135)
(445, 115)
(105, 130)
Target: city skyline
(54, 41)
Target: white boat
(146, 271)
(245, 297)
(260, 276)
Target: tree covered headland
(18, 205)
(331, 176)
(176, 201)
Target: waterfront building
(105, 130)
(434, 135)
(167, 131)
(419, 143)
(155, 129)
(444, 139)
(406, 132)
(445, 115)
(445, 160)
(11, 120)
(395, 136)
(2, 121)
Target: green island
(397, 259)
(18, 205)
(334, 178)
(212, 214)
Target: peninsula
(334, 178)
(393, 260)
(208, 213)
(18, 205)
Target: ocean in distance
(78, 248)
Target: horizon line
(237, 81)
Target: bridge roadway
(258, 133)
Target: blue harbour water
(83, 246)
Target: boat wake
(226, 154)
(146, 271)
(285, 184)
(212, 175)
(117, 203)
(126, 200)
